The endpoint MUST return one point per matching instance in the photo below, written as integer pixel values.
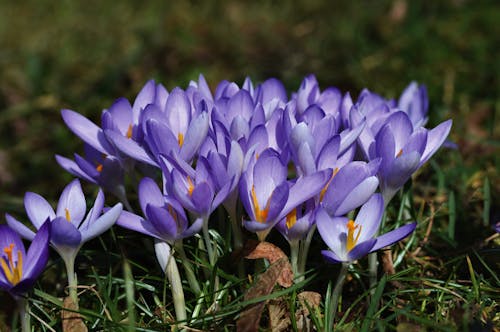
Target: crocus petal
(19, 227)
(7, 237)
(435, 138)
(358, 196)
(306, 159)
(277, 201)
(361, 250)
(149, 193)
(193, 229)
(38, 209)
(330, 230)
(162, 250)
(202, 197)
(178, 110)
(71, 167)
(195, 135)
(387, 239)
(401, 170)
(130, 147)
(94, 212)
(331, 257)
(370, 216)
(65, 233)
(86, 130)
(38, 253)
(164, 223)
(135, 223)
(102, 224)
(72, 203)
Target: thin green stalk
(212, 252)
(188, 268)
(294, 258)
(305, 244)
(72, 279)
(334, 300)
(24, 313)
(174, 278)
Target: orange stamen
(351, 241)
(260, 215)
(291, 218)
(190, 186)
(323, 191)
(99, 168)
(67, 214)
(129, 131)
(180, 139)
(399, 153)
(13, 272)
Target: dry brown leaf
(72, 321)
(306, 299)
(279, 315)
(256, 250)
(250, 317)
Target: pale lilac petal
(7, 237)
(394, 236)
(72, 203)
(144, 97)
(19, 228)
(193, 229)
(330, 230)
(357, 196)
(306, 159)
(102, 224)
(195, 136)
(369, 217)
(94, 212)
(178, 111)
(71, 167)
(435, 138)
(87, 131)
(130, 148)
(121, 113)
(135, 223)
(202, 197)
(331, 257)
(38, 209)
(164, 223)
(149, 194)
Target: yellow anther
(67, 214)
(13, 272)
(351, 241)
(291, 218)
(260, 215)
(180, 139)
(99, 168)
(129, 131)
(323, 191)
(190, 186)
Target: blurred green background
(82, 55)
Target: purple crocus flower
(104, 170)
(70, 228)
(19, 270)
(165, 217)
(349, 240)
(267, 195)
(404, 149)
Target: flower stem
(304, 251)
(212, 252)
(174, 278)
(24, 313)
(188, 268)
(372, 271)
(334, 300)
(294, 258)
(72, 279)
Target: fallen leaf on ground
(72, 321)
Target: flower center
(351, 240)
(323, 191)
(13, 271)
(291, 218)
(260, 215)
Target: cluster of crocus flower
(294, 163)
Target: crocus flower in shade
(414, 102)
(350, 240)
(404, 149)
(19, 270)
(70, 228)
(165, 217)
(104, 170)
